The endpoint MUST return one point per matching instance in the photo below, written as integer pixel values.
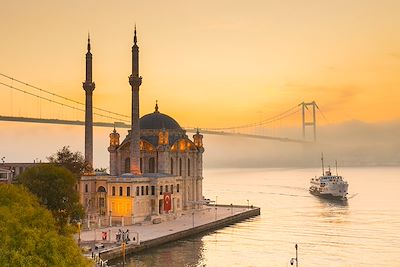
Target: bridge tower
(135, 81)
(88, 86)
(312, 123)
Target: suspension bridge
(17, 89)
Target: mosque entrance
(160, 206)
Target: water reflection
(364, 231)
(333, 202)
(188, 252)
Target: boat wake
(353, 195)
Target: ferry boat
(328, 185)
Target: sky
(208, 63)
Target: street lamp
(292, 260)
(123, 253)
(215, 205)
(79, 233)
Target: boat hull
(315, 192)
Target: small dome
(157, 120)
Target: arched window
(177, 188)
(141, 165)
(120, 190)
(142, 190)
(101, 189)
(86, 188)
(147, 190)
(188, 167)
(137, 191)
(152, 165)
(180, 167)
(113, 190)
(172, 188)
(153, 190)
(172, 166)
(128, 191)
(127, 165)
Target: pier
(148, 235)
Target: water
(363, 232)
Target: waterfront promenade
(191, 222)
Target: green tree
(28, 233)
(73, 161)
(55, 188)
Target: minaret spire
(88, 86)
(88, 42)
(135, 81)
(135, 37)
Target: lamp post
(295, 259)
(123, 253)
(79, 233)
(215, 205)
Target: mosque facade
(156, 171)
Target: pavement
(148, 231)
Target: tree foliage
(28, 233)
(55, 188)
(73, 161)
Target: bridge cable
(279, 116)
(60, 96)
(59, 103)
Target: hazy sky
(210, 63)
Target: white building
(6, 176)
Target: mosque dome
(157, 120)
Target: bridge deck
(127, 126)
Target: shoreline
(192, 222)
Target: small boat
(328, 185)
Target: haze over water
(362, 233)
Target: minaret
(135, 81)
(88, 86)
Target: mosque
(156, 172)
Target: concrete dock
(150, 235)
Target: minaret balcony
(88, 86)
(135, 81)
